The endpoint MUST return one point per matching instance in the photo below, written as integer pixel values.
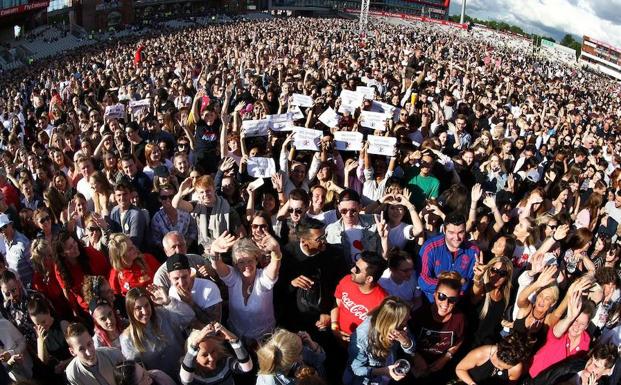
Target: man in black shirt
(309, 274)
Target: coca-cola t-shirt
(355, 305)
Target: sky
(599, 19)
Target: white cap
(4, 220)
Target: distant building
(437, 9)
(601, 56)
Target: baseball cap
(177, 262)
(4, 220)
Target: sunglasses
(259, 226)
(357, 269)
(297, 211)
(92, 229)
(443, 297)
(552, 226)
(499, 272)
(426, 164)
(165, 197)
(350, 211)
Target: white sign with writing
(306, 138)
(373, 120)
(296, 113)
(382, 145)
(350, 100)
(301, 100)
(115, 112)
(135, 106)
(253, 128)
(368, 92)
(258, 167)
(281, 122)
(348, 140)
(330, 118)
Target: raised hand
(207, 331)
(277, 181)
(575, 304)
(269, 243)
(186, 186)
(226, 333)
(227, 164)
(158, 295)
(547, 276)
(223, 243)
(561, 232)
(381, 225)
(476, 193)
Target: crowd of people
(288, 202)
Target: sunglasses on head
(443, 297)
(499, 272)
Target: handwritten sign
(350, 100)
(281, 122)
(301, 100)
(368, 92)
(258, 167)
(306, 138)
(253, 128)
(296, 113)
(330, 118)
(382, 145)
(348, 140)
(135, 106)
(373, 120)
(115, 112)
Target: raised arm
(184, 189)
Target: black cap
(177, 262)
(96, 302)
(161, 171)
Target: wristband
(334, 326)
(275, 256)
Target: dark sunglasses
(350, 211)
(165, 197)
(356, 269)
(297, 211)
(261, 226)
(499, 272)
(443, 297)
(92, 229)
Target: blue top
(435, 257)
(360, 362)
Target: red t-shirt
(11, 195)
(355, 305)
(98, 264)
(124, 280)
(556, 350)
(51, 289)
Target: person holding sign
(295, 175)
(376, 174)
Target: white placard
(306, 138)
(373, 120)
(381, 145)
(330, 118)
(255, 127)
(136, 106)
(280, 122)
(296, 113)
(301, 100)
(368, 92)
(261, 167)
(115, 112)
(348, 140)
(350, 100)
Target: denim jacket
(360, 362)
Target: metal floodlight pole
(364, 17)
(463, 12)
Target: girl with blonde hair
(374, 346)
(130, 267)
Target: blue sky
(600, 19)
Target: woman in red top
(130, 268)
(43, 279)
(74, 262)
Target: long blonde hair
(136, 331)
(507, 265)
(279, 353)
(385, 318)
(117, 248)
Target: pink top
(556, 350)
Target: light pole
(463, 12)
(364, 17)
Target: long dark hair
(63, 269)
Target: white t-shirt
(354, 236)
(205, 293)
(84, 188)
(256, 318)
(613, 212)
(399, 235)
(326, 217)
(406, 290)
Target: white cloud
(599, 19)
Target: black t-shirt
(434, 338)
(207, 137)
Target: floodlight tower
(463, 12)
(364, 17)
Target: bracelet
(334, 326)
(275, 256)
(554, 239)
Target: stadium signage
(24, 8)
